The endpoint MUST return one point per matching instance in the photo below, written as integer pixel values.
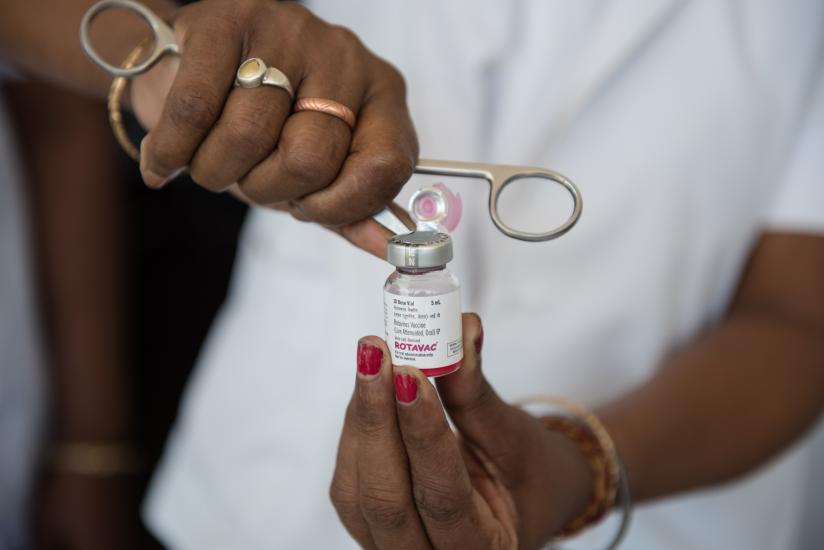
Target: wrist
(555, 485)
(589, 446)
(573, 482)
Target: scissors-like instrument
(164, 37)
(498, 176)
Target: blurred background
(128, 282)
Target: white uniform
(691, 128)
(22, 398)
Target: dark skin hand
(405, 480)
(717, 408)
(246, 141)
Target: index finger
(208, 62)
(368, 234)
(384, 490)
(453, 513)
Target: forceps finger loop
(164, 39)
(498, 177)
(498, 185)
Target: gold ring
(328, 106)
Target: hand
(76, 512)
(248, 141)
(403, 479)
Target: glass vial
(422, 304)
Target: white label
(424, 331)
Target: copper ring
(328, 106)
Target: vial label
(424, 331)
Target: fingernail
(369, 359)
(156, 181)
(406, 388)
(479, 341)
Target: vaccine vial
(422, 304)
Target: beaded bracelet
(610, 483)
(605, 483)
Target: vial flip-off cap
(419, 250)
(436, 208)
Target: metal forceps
(164, 37)
(498, 176)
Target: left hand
(403, 479)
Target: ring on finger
(327, 106)
(254, 72)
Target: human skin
(756, 374)
(78, 244)
(718, 407)
(244, 140)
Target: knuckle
(243, 8)
(440, 505)
(344, 497)
(346, 42)
(245, 5)
(504, 540)
(202, 171)
(159, 159)
(395, 78)
(297, 212)
(192, 110)
(377, 181)
(308, 164)
(326, 214)
(250, 135)
(203, 177)
(385, 173)
(371, 423)
(392, 166)
(296, 12)
(387, 79)
(383, 507)
(343, 34)
(422, 441)
(256, 192)
(482, 399)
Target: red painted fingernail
(479, 341)
(406, 388)
(369, 359)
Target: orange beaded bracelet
(605, 483)
(610, 484)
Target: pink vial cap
(454, 207)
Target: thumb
(502, 432)
(369, 235)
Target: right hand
(248, 141)
(404, 479)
